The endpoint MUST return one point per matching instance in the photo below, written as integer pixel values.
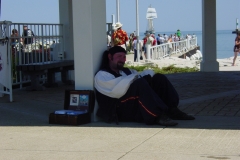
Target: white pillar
(89, 41)
(209, 40)
(148, 50)
(65, 18)
(1, 89)
(137, 32)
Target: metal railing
(33, 43)
(45, 44)
(171, 48)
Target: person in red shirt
(154, 41)
(119, 37)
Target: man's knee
(160, 80)
(140, 82)
(159, 76)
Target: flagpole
(0, 8)
(137, 31)
(117, 10)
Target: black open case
(78, 106)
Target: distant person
(52, 47)
(174, 37)
(158, 39)
(236, 48)
(134, 33)
(27, 35)
(108, 40)
(178, 33)
(131, 36)
(15, 41)
(154, 40)
(165, 37)
(169, 41)
(149, 41)
(119, 37)
(144, 46)
(193, 36)
(134, 45)
(14, 37)
(161, 39)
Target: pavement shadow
(33, 108)
(23, 118)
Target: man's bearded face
(118, 60)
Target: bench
(35, 70)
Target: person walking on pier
(158, 39)
(236, 48)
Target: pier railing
(43, 43)
(171, 48)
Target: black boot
(176, 114)
(164, 120)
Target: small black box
(78, 106)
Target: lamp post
(117, 10)
(236, 30)
(137, 31)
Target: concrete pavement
(214, 98)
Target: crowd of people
(27, 43)
(26, 36)
(25, 40)
(120, 37)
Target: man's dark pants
(146, 99)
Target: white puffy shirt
(109, 85)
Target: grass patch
(164, 70)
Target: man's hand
(135, 78)
(146, 72)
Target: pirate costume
(136, 97)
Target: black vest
(108, 105)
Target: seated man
(124, 94)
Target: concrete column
(1, 89)
(65, 18)
(209, 62)
(89, 41)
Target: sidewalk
(214, 98)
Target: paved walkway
(214, 98)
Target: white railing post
(5, 60)
(195, 41)
(148, 49)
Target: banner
(5, 67)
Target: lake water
(225, 41)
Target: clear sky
(185, 15)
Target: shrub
(164, 70)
